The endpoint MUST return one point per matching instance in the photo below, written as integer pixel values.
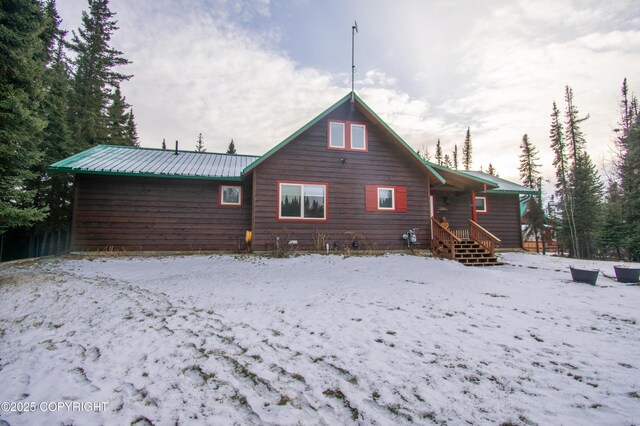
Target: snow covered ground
(318, 340)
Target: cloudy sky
(257, 70)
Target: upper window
(481, 205)
(231, 195)
(386, 198)
(336, 135)
(302, 201)
(347, 135)
(358, 139)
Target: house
(344, 176)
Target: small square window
(358, 138)
(481, 204)
(231, 195)
(385, 198)
(336, 135)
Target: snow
(318, 339)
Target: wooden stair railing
(483, 237)
(441, 236)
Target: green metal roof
(132, 161)
(503, 186)
(327, 112)
(460, 173)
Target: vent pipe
(176, 153)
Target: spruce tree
(612, 236)
(231, 149)
(118, 119)
(200, 144)
(529, 166)
(631, 189)
(164, 144)
(573, 133)
(586, 193)
(54, 192)
(564, 204)
(455, 156)
(447, 161)
(439, 158)
(23, 54)
(491, 170)
(466, 151)
(95, 77)
(132, 130)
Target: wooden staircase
(476, 250)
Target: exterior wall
(502, 219)
(142, 213)
(307, 159)
(455, 206)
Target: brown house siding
(307, 159)
(503, 219)
(143, 213)
(455, 206)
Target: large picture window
(302, 201)
(230, 195)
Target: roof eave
(158, 175)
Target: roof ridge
(170, 150)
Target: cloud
(429, 69)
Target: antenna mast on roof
(354, 30)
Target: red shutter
(371, 198)
(401, 198)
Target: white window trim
(364, 135)
(393, 198)
(222, 188)
(485, 205)
(344, 136)
(302, 216)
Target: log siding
(146, 214)
(346, 173)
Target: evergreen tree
(566, 233)
(574, 136)
(535, 221)
(455, 156)
(95, 78)
(424, 154)
(200, 144)
(132, 131)
(447, 161)
(585, 196)
(466, 150)
(164, 144)
(439, 158)
(529, 168)
(631, 189)
(231, 149)
(613, 232)
(118, 119)
(559, 148)
(54, 192)
(492, 171)
(22, 67)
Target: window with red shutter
(384, 198)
